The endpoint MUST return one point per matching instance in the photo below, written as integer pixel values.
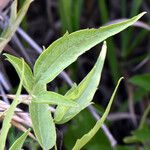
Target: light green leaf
(17, 145)
(141, 81)
(15, 20)
(47, 97)
(42, 121)
(61, 110)
(43, 125)
(9, 114)
(80, 125)
(87, 137)
(28, 78)
(84, 92)
(67, 49)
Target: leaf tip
(122, 78)
(7, 56)
(140, 15)
(143, 13)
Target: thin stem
(146, 112)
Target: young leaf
(28, 77)
(15, 20)
(47, 97)
(9, 114)
(17, 145)
(43, 125)
(67, 49)
(87, 137)
(84, 92)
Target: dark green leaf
(141, 81)
(19, 142)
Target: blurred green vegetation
(125, 53)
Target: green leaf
(87, 137)
(43, 125)
(9, 114)
(124, 148)
(143, 134)
(84, 92)
(15, 21)
(67, 49)
(19, 142)
(28, 77)
(65, 14)
(76, 9)
(47, 97)
(139, 135)
(70, 12)
(80, 125)
(141, 81)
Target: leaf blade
(43, 125)
(28, 81)
(48, 97)
(67, 49)
(141, 81)
(87, 137)
(84, 92)
(17, 145)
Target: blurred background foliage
(128, 56)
